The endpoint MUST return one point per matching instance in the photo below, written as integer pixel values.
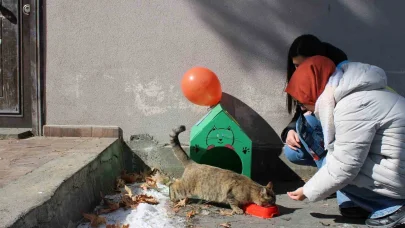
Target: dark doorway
(224, 158)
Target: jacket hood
(359, 77)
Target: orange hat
(310, 78)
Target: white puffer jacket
(369, 147)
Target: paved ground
(293, 214)
(33, 171)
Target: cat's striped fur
(215, 184)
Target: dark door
(15, 97)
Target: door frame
(35, 44)
(31, 18)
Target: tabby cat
(215, 184)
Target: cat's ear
(263, 192)
(214, 128)
(269, 185)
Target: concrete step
(15, 133)
(48, 182)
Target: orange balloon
(201, 86)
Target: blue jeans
(301, 156)
(350, 196)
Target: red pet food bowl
(261, 212)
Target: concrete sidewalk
(293, 214)
(48, 182)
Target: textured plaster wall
(120, 62)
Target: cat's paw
(238, 211)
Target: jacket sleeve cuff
(310, 193)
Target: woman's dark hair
(308, 45)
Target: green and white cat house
(218, 140)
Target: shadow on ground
(338, 218)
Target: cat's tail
(177, 149)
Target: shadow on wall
(261, 31)
(132, 162)
(267, 146)
(261, 133)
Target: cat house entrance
(222, 157)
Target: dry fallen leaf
(154, 171)
(126, 202)
(119, 183)
(146, 173)
(150, 172)
(181, 203)
(205, 206)
(130, 178)
(144, 186)
(95, 220)
(111, 205)
(151, 182)
(118, 225)
(130, 200)
(104, 211)
(145, 199)
(190, 214)
(225, 212)
(160, 177)
(226, 225)
(129, 191)
(176, 209)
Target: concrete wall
(120, 62)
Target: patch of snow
(145, 215)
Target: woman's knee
(290, 154)
(298, 156)
(293, 156)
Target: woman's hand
(297, 194)
(292, 140)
